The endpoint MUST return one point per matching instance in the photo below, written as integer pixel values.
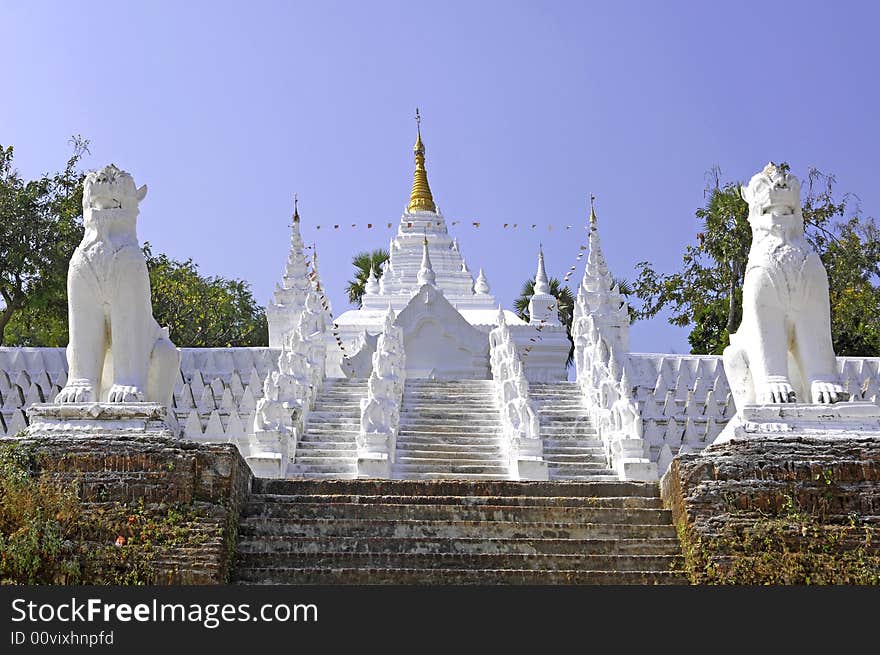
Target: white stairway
(328, 447)
(449, 429)
(572, 448)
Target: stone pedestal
(89, 419)
(374, 466)
(837, 421)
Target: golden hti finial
(592, 209)
(420, 198)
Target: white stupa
(445, 314)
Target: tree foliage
(362, 263)
(565, 307)
(706, 292)
(40, 226)
(203, 311)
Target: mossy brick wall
(784, 510)
(184, 495)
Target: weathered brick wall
(125, 480)
(779, 510)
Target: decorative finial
(426, 272)
(295, 208)
(371, 287)
(481, 286)
(542, 286)
(592, 209)
(420, 198)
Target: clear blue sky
(226, 108)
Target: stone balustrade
(380, 410)
(519, 421)
(289, 393)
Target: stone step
(621, 502)
(422, 488)
(448, 438)
(573, 445)
(296, 474)
(469, 545)
(439, 576)
(253, 527)
(448, 476)
(444, 427)
(574, 458)
(455, 512)
(488, 469)
(347, 452)
(451, 410)
(403, 455)
(408, 445)
(306, 469)
(467, 561)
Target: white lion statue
(782, 351)
(117, 352)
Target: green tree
(706, 292)
(202, 311)
(40, 226)
(362, 263)
(564, 302)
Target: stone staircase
(451, 430)
(572, 448)
(328, 447)
(456, 532)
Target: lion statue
(782, 351)
(117, 352)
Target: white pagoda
(445, 314)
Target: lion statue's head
(773, 192)
(111, 188)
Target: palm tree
(565, 307)
(363, 262)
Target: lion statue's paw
(120, 393)
(777, 391)
(827, 392)
(77, 391)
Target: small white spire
(455, 244)
(382, 283)
(501, 319)
(426, 273)
(542, 286)
(482, 285)
(464, 268)
(371, 288)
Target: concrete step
(267, 575)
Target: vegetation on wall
(48, 536)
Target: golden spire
(420, 198)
